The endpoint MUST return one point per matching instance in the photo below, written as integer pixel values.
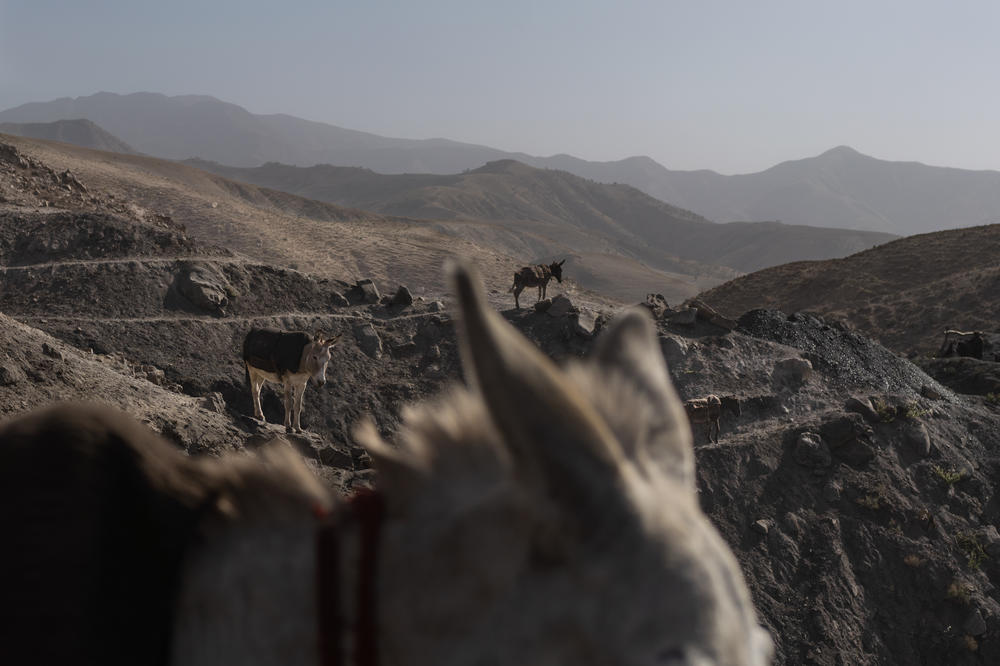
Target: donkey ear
(318, 336)
(329, 342)
(562, 262)
(558, 441)
(629, 347)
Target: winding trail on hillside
(223, 320)
(132, 260)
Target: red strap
(367, 507)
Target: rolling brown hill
(336, 241)
(903, 293)
(508, 191)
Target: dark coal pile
(845, 356)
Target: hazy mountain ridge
(839, 188)
(510, 191)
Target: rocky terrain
(859, 494)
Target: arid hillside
(507, 191)
(331, 240)
(904, 293)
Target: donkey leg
(298, 407)
(517, 292)
(256, 384)
(289, 404)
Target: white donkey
(537, 516)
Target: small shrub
(913, 560)
(949, 476)
(913, 411)
(969, 544)
(869, 502)
(959, 592)
(885, 411)
(970, 643)
(993, 398)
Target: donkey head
(546, 516)
(316, 356)
(556, 269)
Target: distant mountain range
(568, 206)
(839, 188)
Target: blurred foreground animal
(289, 358)
(535, 276)
(536, 516)
(708, 410)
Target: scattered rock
(705, 312)
(435, 306)
(916, 437)
(762, 526)
(51, 351)
(685, 317)
(812, 451)
(586, 323)
(339, 299)
(831, 491)
(850, 439)
(930, 392)
(11, 374)
(656, 304)
(213, 402)
(153, 375)
(402, 297)
(368, 340)
(332, 457)
(433, 353)
(366, 291)
(792, 372)
(862, 406)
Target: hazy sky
(733, 86)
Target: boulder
(812, 451)
(402, 297)
(656, 304)
(862, 406)
(792, 372)
(204, 286)
(586, 323)
(685, 317)
(366, 291)
(543, 305)
(561, 306)
(213, 402)
(368, 340)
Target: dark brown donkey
(535, 276)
